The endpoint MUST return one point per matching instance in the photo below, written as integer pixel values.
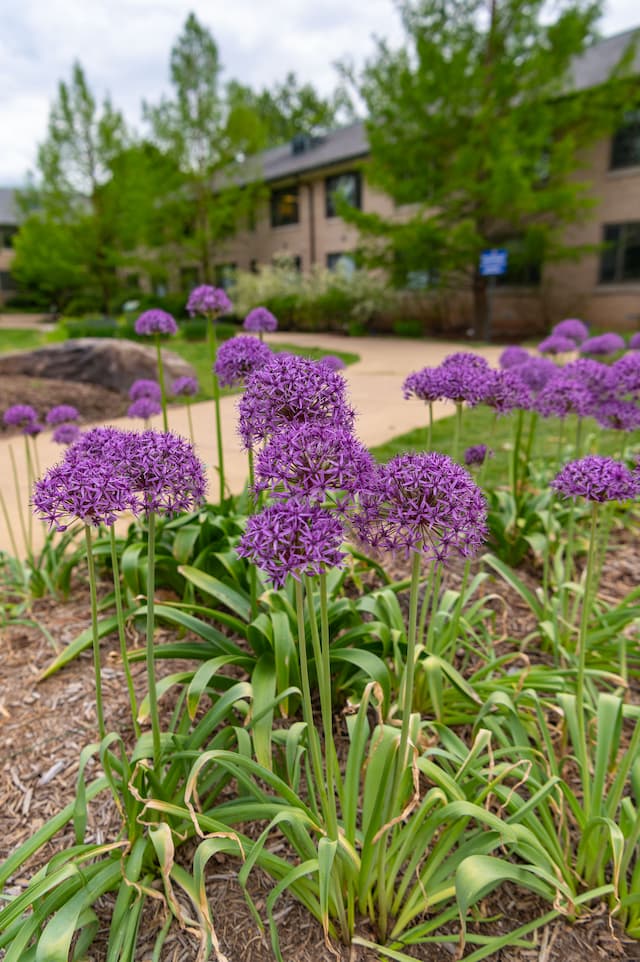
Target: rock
(112, 363)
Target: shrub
(408, 327)
(90, 327)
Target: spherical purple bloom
(512, 356)
(634, 342)
(563, 395)
(333, 362)
(66, 433)
(185, 386)
(61, 413)
(312, 459)
(597, 478)
(239, 357)
(477, 454)
(463, 376)
(209, 301)
(536, 372)
(164, 472)
(144, 407)
(427, 384)
(595, 375)
(293, 537)
(33, 429)
(604, 344)
(108, 445)
(625, 372)
(84, 489)
(260, 320)
(145, 388)
(288, 391)
(19, 414)
(155, 321)
(425, 503)
(618, 415)
(556, 344)
(505, 391)
(572, 328)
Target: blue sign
(493, 262)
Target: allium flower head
(463, 377)
(556, 344)
(618, 415)
(572, 328)
(536, 372)
(164, 472)
(61, 413)
(185, 386)
(33, 429)
(426, 503)
(595, 375)
(19, 414)
(155, 321)
(208, 301)
(563, 395)
(604, 344)
(239, 357)
(427, 384)
(477, 454)
(634, 342)
(107, 445)
(333, 362)
(145, 388)
(310, 460)
(83, 489)
(144, 407)
(625, 372)
(66, 433)
(289, 391)
(512, 356)
(293, 537)
(597, 478)
(505, 391)
(260, 320)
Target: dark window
(284, 207)
(7, 233)
(347, 186)
(620, 260)
(625, 144)
(341, 262)
(188, 278)
(225, 275)
(253, 266)
(7, 282)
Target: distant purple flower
(293, 537)
(556, 344)
(572, 328)
(597, 478)
(595, 375)
(19, 414)
(618, 415)
(66, 433)
(239, 357)
(425, 503)
(505, 391)
(463, 377)
(625, 372)
(155, 321)
(333, 362)
(604, 344)
(260, 320)
(477, 454)
(185, 386)
(289, 391)
(634, 342)
(84, 489)
(512, 356)
(144, 388)
(208, 301)
(536, 372)
(144, 407)
(61, 413)
(312, 459)
(564, 395)
(427, 384)
(164, 472)
(33, 429)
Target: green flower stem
(151, 673)
(458, 430)
(213, 350)
(190, 422)
(326, 703)
(409, 672)
(30, 480)
(21, 519)
(483, 466)
(515, 457)
(582, 657)
(121, 633)
(307, 709)
(163, 392)
(36, 458)
(430, 428)
(7, 519)
(578, 453)
(94, 631)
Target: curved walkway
(375, 386)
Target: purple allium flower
(61, 413)
(512, 356)
(477, 454)
(556, 344)
(155, 321)
(84, 489)
(625, 373)
(19, 414)
(288, 391)
(597, 478)
(427, 384)
(144, 407)
(209, 301)
(505, 391)
(66, 433)
(463, 377)
(312, 459)
(239, 357)
(634, 342)
(595, 375)
(423, 502)
(618, 415)
(260, 320)
(572, 328)
(333, 362)
(564, 395)
(293, 537)
(185, 386)
(145, 388)
(33, 429)
(163, 472)
(608, 343)
(536, 372)
(108, 445)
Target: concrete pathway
(375, 388)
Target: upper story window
(620, 260)
(7, 233)
(284, 207)
(625, 144)
(348, 186)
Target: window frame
(612, 259)
(329, 191)
(277, 220)
(625, 143)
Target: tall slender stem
(21, 520)
(326, 704)
(213, 350)
(578, 453)
(458, 430)
(163, 393)
(190, 422)
(430, 428)
(151, 668)
(409, 670)
(30, 480)
(121, 634)
(94, 631)
(582, 648)
(7, 519)
(307, 708)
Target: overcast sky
(124, 48)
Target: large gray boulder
(114, 364)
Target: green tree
(475, 122)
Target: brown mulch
(93, 402)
